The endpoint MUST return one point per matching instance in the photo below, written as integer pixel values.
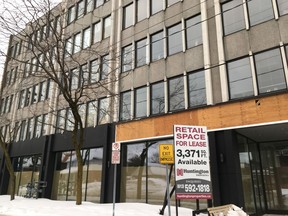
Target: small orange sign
(166, 154)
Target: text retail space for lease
(192, 167)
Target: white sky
(44, 207)
(4, 38)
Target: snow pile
(45, 207)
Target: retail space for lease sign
(192, 166)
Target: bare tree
(48, 48)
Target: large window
(103, 111)
(240, 78)
(141, 52)
(141, 10)
(157, 98)
(71, 14)
(99, 3)
(157, 46)
(282, 7)
(128, 16)
(156, 6)
(91, 114)
(107, 27)
(270, 73)
(65, 174)
(193, 31)
(233, 16)
(197, 89)
(141, 102)
(176, 94)
(105, 62)
(260, 11)
(94, 71)
(96, 32)
(77, 43)
(127, 58)
(175, 39)
(143, 177)
(80, 8)
(86, 41)
(125, 105)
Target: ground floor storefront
(248, 159)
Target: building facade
(220, 64)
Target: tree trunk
(10, 169)
(79, 177)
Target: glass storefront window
(64, 183)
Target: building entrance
(264, 169)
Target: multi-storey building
(220, 64)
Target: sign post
(166, 156)
(192, 166)
(115, 159)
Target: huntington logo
(180, 172)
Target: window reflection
(64, 183)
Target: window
(96, 32)
(77, 43)
(141, 102)
(240, 78)
(86, 41)
(35, 94)
(60, 124)
(91, 114)
(80, 8)
(270, 73)
(176, 94)
(45, 125)
(260, 11)
(99, 3)
(27, 69)
(175, 39)
(104, 67)
(126, 58)
(69, 120)
(71, 15)
(38, 126)
(196, 88)
(94, 71)
(233, 16)
(156, 6)
(171, 2)
(282, 7)
(125, 106)
(23, 130)
(21, 99)
(107, 27)
(157, 46)
(68, 47)
(157, 98)
(34, 65)
(43, 91)
(89, 6)
(128, 16)
(74, 76)
(193, 31)
(84, 75)
(103, 112)
(141, 52)
(30, 128)
(141, 13)
(28, 96)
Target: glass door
(253, 189)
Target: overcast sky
(4, 36)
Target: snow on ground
(44, 207)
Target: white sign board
(115, 157)
(192, 167)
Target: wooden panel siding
(255, 111)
